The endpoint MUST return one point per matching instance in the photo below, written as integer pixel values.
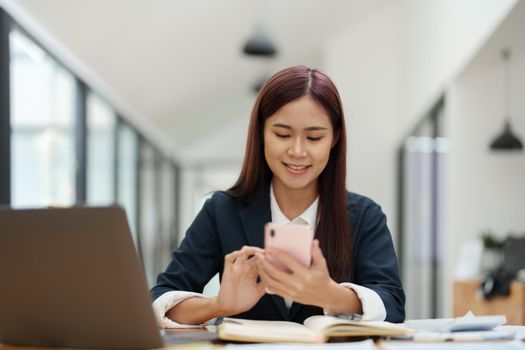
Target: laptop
(71, 278)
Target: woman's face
(297, 143)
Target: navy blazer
(225, 224)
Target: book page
(332, 326)
(362, 345)
(320, 323)
(265, 331)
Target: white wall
(486, 189)
(364, 64)
(391, 66)
(438, 38)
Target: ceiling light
(507, 140)
(260, 44)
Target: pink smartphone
(296, 240)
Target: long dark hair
(333, 228)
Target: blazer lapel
(253, 219)
(294, 309)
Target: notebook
(71, 278)
(316, 329)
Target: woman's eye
(282, 136)
(310, 138)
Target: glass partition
(167, 234)
(42, 122)
(48, 140)
(128, 142)
(149, 211)
(100, 151)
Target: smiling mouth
(296, 167)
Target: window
(47, 164)
(167, 200)
(166, 236)
(127, 174)
(42, 122)
(149, 211)
(100, 151)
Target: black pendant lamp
(260, 44)
(506, 140)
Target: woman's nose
(297, 148)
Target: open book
(316, 329)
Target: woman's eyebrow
(314, 128)
(310, 128)
(279, 125)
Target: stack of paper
(468, 328)
(469, 322)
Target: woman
(294, 170)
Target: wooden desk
(513, 306)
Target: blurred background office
(146, 104)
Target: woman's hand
(239, 289)
(308, 286)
